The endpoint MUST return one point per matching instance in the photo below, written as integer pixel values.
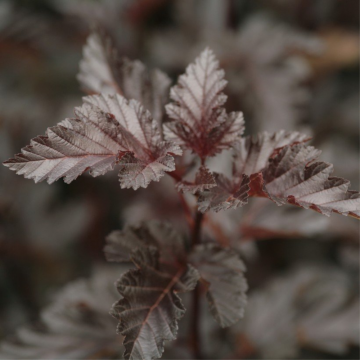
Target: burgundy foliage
(122, 124)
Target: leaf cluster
(127, 121)
(150, 307)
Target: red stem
(195, 239)
(195, 323)
(184, 204)
(187, 210)
(175, 176)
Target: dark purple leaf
(227, 194)
(204, 180)
(150, 308)
(294, 177)
(108, 130)
(223, 272)
(199, 121)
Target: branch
(195, 331)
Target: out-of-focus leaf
(267, 328)
(264, 221)
(99, 66)
(143, 205)
(76, 325)
(107, 13)
(103, 71)
(23, 30)
(328, 311)
(272, 76)
(308, 307)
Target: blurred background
(290, 64)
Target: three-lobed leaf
(250, 155)
(198, 119)
(282, 168)
(150, 308)
(108, 130)
(148, 156)
(89, 142)
(149, 311)
(295, 177)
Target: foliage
(131, 119)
